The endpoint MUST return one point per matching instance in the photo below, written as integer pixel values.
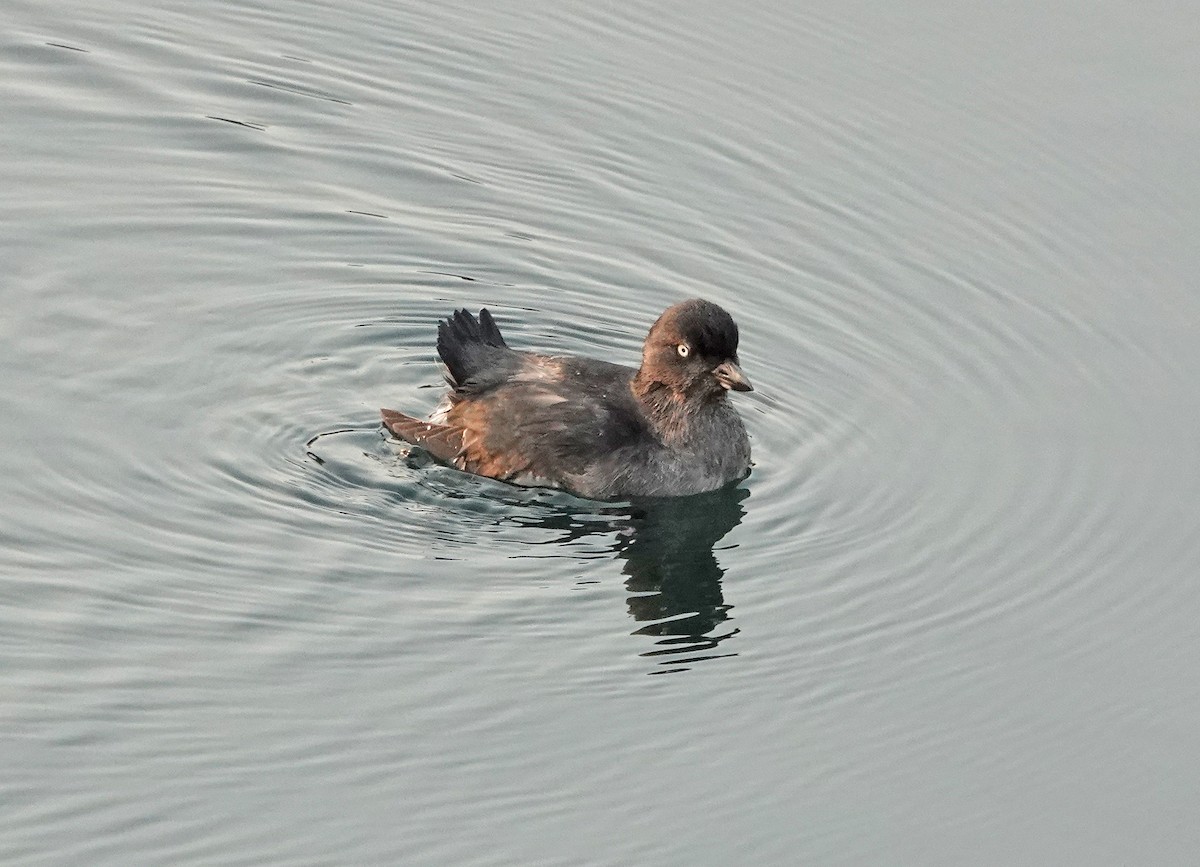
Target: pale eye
(683, 350)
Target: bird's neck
(669, 410)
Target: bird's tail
(469, 346)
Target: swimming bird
(597, 429)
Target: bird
(594, 428)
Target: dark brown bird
(597, 429)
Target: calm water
(950, 618)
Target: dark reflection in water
(673, 574)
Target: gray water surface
(950, 618)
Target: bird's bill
(731, 377)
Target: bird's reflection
(674, 579)
(672, 573)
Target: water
(949, 618)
